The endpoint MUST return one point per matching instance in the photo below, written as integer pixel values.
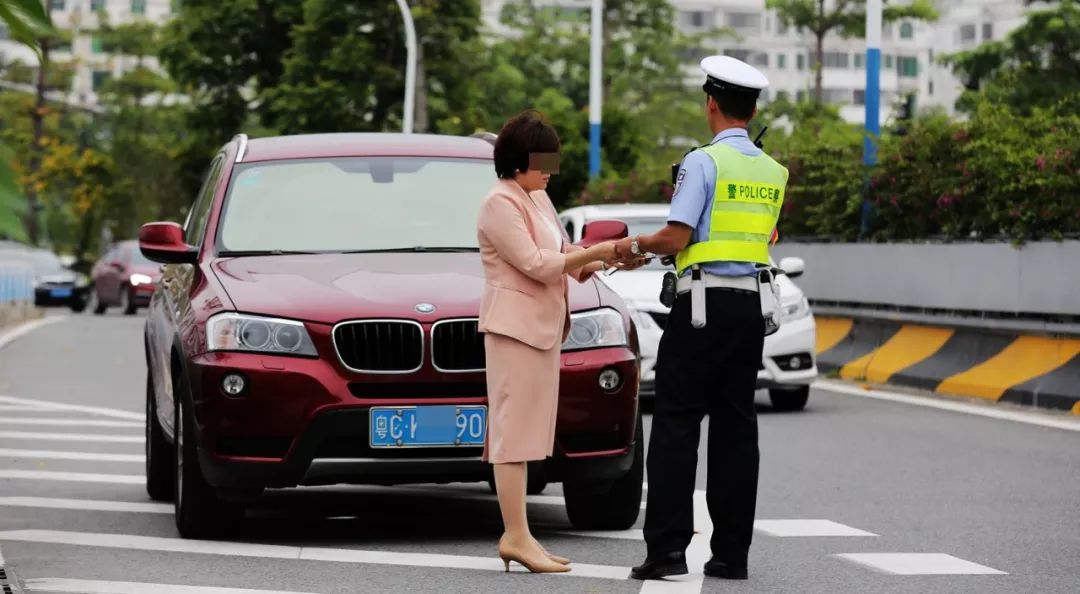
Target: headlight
(794, 310)
(237, 332)
(140, 279)
(593, 329)
(643, 320)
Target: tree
(1038, 64)
(28, 22)
(844, 17)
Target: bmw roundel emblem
(425, 308)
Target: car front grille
(457, 346)
(380, 346)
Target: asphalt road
(927, 490)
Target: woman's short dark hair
(520, 135)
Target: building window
(760, 59)
(98, 78)
(56, 4)
(888, 61)
(860, 97)
(783, 96)
(930, 88)
(907, 30)
(967, 33)
(743, 20)
(800, 62)
(842, 96)
(96, 45)
(988, 31)
(781, 27)
(138, 6)
(909, 66)
(696, 19)
(836, 59)
(738, 54)
(860, 61)
(97, 5)
(800, 96)
(781, 61)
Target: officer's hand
(633, 263)
(622, 247)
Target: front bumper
(789, 358)
(306, 421)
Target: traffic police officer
(726, 203)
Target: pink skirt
(523, 400)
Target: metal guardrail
(16, 283)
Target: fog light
(795, 363)
(233, 384)
(610, 380)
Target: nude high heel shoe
(546, 565)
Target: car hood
(334, 287)
(641, 288)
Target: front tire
(200, 513)
(609, 505)
(789, 400)
(94, 302)
(159, 453)
(127, 301)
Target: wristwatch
(635, 248)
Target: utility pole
(873, 103)
(596, 66)
(410, 67)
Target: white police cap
(724, 73)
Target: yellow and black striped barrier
(1035, 370)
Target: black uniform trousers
(709, 370)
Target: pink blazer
(525, 293)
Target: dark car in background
(316, 323)
(123, 278)
(55, 285)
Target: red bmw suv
(316, 323)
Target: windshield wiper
(416, 249)
(240, 253)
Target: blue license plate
(427, 426)
(60, 293)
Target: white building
(909, 49)
(92, 65)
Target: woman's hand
(603, 252)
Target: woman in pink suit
(525, 319)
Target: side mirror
(792, 266)
(164, 243)
(605, 230)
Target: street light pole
(872, 100)
(596, 65)
(410, 67)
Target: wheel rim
(179, 456)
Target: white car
(789, 362)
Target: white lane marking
(67, 422)
(1, 557)
(73, 477)
(920, 564)
(100, 587)
(72, 437)
(87, 505)
(61, 406)
(696, 555)
(788, 528)
(26, 328)
(59, 455)
(241, 549)
(1041, 420)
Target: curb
(1029, 369)
(25, 328)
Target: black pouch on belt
(668, 291)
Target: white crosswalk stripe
(76, 477)
(60, 406)
(62, 455)
(101, 587)
(87, 505)
(67, 422)
(80, 437)
(920, 564)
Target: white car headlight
(643, 320)
(238, 332)
(140, 279)
(594, 329)
(794, 310)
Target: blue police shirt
(692, 201)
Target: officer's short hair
(522, 134)
(738, 105)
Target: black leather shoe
(661, 567)
(719, 569)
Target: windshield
(138, 259)
(646, 226)
(45, 262)
(355, 204)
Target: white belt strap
(711, 281)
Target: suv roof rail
(243, 140)
(488, 136)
